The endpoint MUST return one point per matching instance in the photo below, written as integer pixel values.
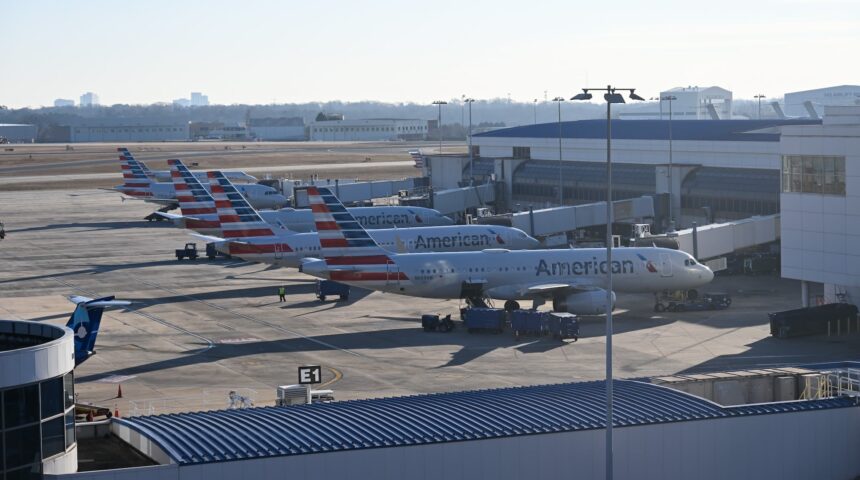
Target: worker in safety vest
(282, 292)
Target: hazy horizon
(267, 52)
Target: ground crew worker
(282, 292)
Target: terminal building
(785, 423)
(37, 391)
(842, 95)
(804, 170)
(19, 132)
(128, 130)
(374, 129)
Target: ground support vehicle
(189, 252)
(435, 323)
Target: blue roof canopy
(722, 130)
(227, 435)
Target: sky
(261, 51)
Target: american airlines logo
(383, 219)
(587, 267)
(453, 241)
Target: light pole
(759, 97)
(470, 101)
(611, 96)
(535, 110)
(439, 122)
(670, 99)
(558, 100)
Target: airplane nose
(707, 274)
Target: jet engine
(592, 302)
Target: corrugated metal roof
(707, 130)
(228, 435)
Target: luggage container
(328, 287)
(562, 325)
(528, 322)
(484, 319)
(812, 320)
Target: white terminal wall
(749, 154)
(820, 233)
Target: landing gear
(512, 305)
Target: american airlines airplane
(137, 184)
(573, 279)
(198, 210)
(272, 246)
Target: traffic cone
(119, 391)
(116, 411)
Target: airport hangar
(805, 170)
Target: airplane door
(393, 274)
(280, 249)
(665, 265)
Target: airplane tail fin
(194, 200)
(344, 242)
(238, 218)
(136, 183)
(85, 322)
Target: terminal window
(522, 152)
(813, 174)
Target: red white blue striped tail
(136, 183)
(238, 218)
(194, 200)
(350, 253)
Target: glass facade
(813, 174)
(38, 422)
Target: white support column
(804, 293)
(677, 176)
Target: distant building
(217, 131)
(275, 129)
(199, 100)
(842, 95)
(372, 129)
(128, 130)
(182, 102)
(89, 99)
(18, 132)
(691, 103)
(62, 102)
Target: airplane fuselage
(508, 275)
(302, 220)
(289, 250)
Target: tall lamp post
(558, 100)
(611, 96)
(670, 99)
(439, 122)
(470, 101)
(759, 97)
(535, 109)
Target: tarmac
(200, 329)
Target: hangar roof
(228, 435)
(707, 130)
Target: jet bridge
(552, 221)
(349, 191)
(720, 239)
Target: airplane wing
(548, 289)
(172, 216)
(210, 238)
